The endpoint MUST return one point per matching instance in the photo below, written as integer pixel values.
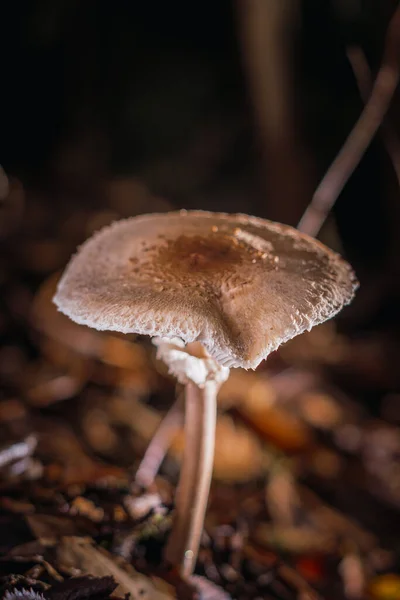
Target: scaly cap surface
(240, 285)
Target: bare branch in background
(363, 77)
(267, 31)
(360, 137)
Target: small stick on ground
(360, 137)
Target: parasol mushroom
(216, 291)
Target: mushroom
(68, 345)
(216, 291)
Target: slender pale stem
(194, 483)
(159, 445)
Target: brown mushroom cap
(240, 285)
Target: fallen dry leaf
(80, 553)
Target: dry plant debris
(312, 502)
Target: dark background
(112, 109)
(158, 93)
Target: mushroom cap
(53, 324)
(240, 285)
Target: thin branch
(159, 445)
(363, 77)
(360, 137)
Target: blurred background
(115, 109)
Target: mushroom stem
(194, 483)
(159, 445)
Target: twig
(159, 445)
(360, 137)
(363, 77)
